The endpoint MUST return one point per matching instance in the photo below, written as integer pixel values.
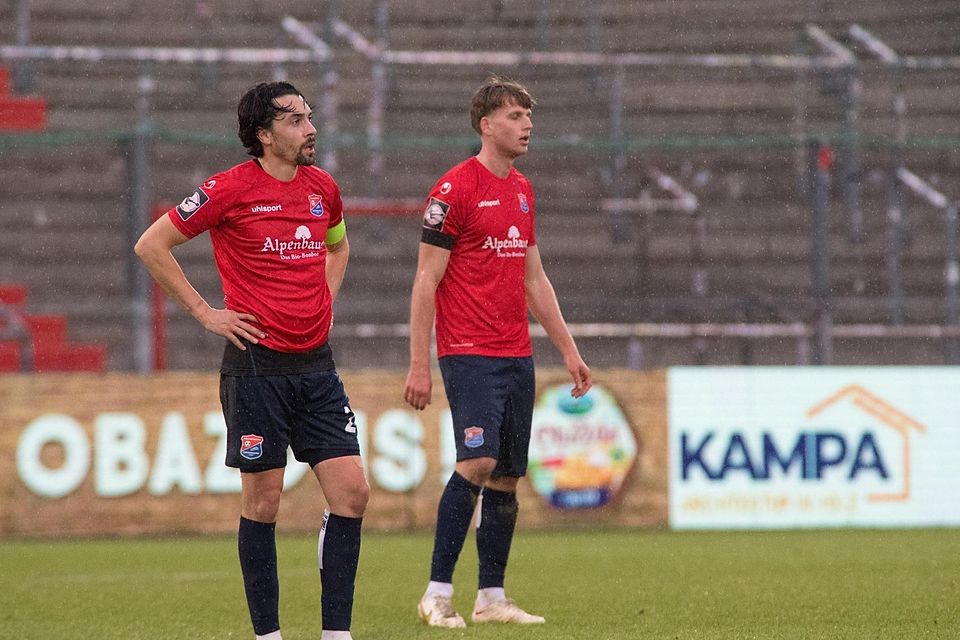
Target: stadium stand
(64, 210)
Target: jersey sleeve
(442, 216)
(533, 209)
(336, 226)
(203, 209)
(336, 207)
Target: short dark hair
(257, 110)
(493, 94)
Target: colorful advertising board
(117, 454)
(813, 447)
(581, 449)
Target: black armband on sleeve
(437, 239)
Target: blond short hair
(495, 92)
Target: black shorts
(491, 400)
(265, 414)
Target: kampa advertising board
(813, 447)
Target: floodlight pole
(377, 106)
(821, 158)
(328, 94)
(22, 69)
(618, 159)
(141, 196)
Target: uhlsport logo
(751, 453)
(251, 446)
(581, 449)
(266, 208)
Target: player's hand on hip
(417, 390)
(582, 378)
(233, 326)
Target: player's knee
(262, 508)
(352, 501)
(507, 484)
(477, 471)
(359, 498)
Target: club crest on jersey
(251, 446)
(435, 214)
(473, 437)
(316, 204)
(524, 206)
(191, 204)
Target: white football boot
(437, 611)
(505, 611)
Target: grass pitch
(589, 585)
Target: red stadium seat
(48, 335)
(20, 113)
(13, 294)
(9, 356)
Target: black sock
(453, 519)
(339, 554)
(498, 518)
(257, 544)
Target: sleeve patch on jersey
(435, 214)
(191, 204)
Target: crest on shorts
(473, 437)
(524, 205)
(251, 446)
(316, 204)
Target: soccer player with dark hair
(280, 245)
(479, 271)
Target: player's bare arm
(542, 302)
(154, 248)
(431, 265)
(338, 254)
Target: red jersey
(487, 224)
(268, 244)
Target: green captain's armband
(335, 233)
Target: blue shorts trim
(491, 401)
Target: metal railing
(803, 334)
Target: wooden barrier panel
(119, 454)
